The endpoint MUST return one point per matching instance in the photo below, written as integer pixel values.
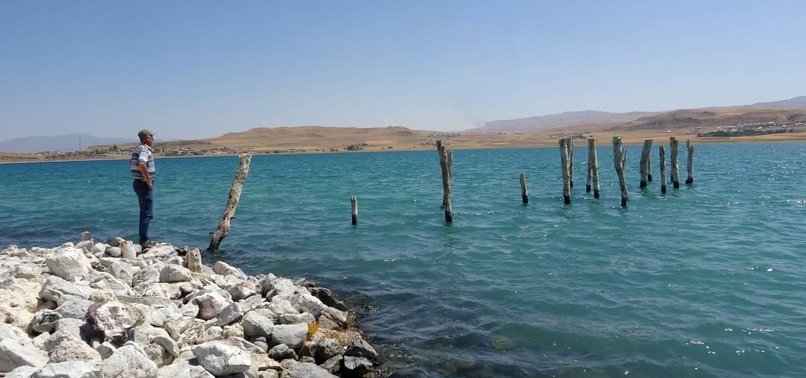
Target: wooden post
(645, 163)
(354, 206)
(690, 166)
(675, 171)
(662, 156)
(232, 202)
(565, 165)
(593, 169)
(524, 190)
(619, 160)
(570, 147)
(445, 162)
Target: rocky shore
(95, 309)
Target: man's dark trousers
(145, 196)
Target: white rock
(230, 314)
(113, 251)
(127, 250)
(225, 269)
(20, 352)
(210, 304)
(22, 372)
(183, 369)
(69, 263)
(69, 369)
(67, 347)
(129, 361)
(75, 308)
(175, 273)
(114, 319)
(307, 370)
(56, 288)
(220, 358)
(255, 325)
(292, 335)
(27, 271)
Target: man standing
(142, 167)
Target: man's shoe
(147, 244)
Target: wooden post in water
(645, 163)
(662, 157)
(354, 207)
(619, 159)
(690, 166)
(571, 162)
(524, 190)
(565, 165)
(445, 162)
(232, 202)
(675, 171)
(593, 169)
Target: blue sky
(195, 69)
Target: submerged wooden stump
(445, 163)
(662, 158)
(232, 202)
(524, 190)
(565, 164)
(619, 161)
(354, 209)
(593, 169)
(690, 165)
(673, 144)
(646, 171)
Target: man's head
(146, 136)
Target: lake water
(709, 280)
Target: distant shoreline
(22, 158)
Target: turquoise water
(706, 281)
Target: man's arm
(144, 170)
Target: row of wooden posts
(567, 165)
(566, 162)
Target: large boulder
(69, 263)
(69, 369)
(292, 335)
(175, 273)
(16, 352)
(307, 370)
(66, 347)
(210, 304)
(129, 361)
(221, 358)
(256, 325)
(113, 319)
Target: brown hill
(712, 118)
(326, 139)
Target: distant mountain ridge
(65, 143)
(593, 117)
(584, 117)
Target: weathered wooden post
(524, 190)
(232, 202)
(445, 162)
(675, 171)
(690, 166)
(619, 159)
(565, 165)
(645, 163)
(571, 162)
(593, 169)
(354, 207)
(662, 158)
